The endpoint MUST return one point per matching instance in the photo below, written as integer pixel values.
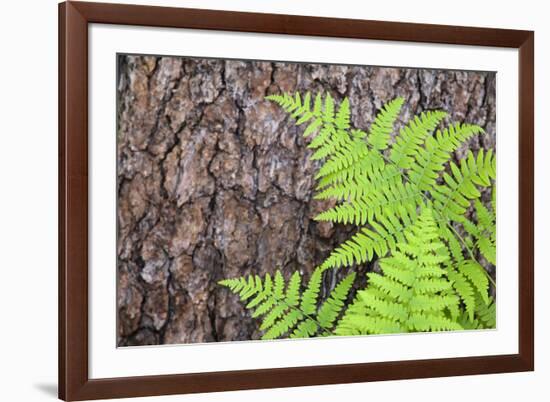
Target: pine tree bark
(215, 182)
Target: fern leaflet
(413, 292)
(287, 311)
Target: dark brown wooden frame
(74, 17)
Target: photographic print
(262, 200)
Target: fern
(333, 137)
(382, 195)
(413, 294)
(484, 232)
(430, 160)
(470, 280)
(485, 316)
(287, 311)
(382, 127)
(412, 136)
(406, 197)
(453, 199)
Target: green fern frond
(361, 185)
(284, 309)
(411, 137)
(484, 232)
(334, 141)
(430, 159)
(464, 289)
(364, 163)
(382, 126)
(329, 122)
(342, 119)
(453, 198)
(373, 191)
(413, 292)
(407, 204)
(309, 298)
(477, 277)
(356, 160)
(353, 157)
(356, 150)
(486, 242)
(470, 280)
(331, 308)
(374, 204)
(301, 111)
(378, 239)
(453, 244)
(484, 316)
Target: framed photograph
(260, 200)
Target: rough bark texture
(215, 182)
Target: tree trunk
(215, 182)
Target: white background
(28, 207)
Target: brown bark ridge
(215, 182)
